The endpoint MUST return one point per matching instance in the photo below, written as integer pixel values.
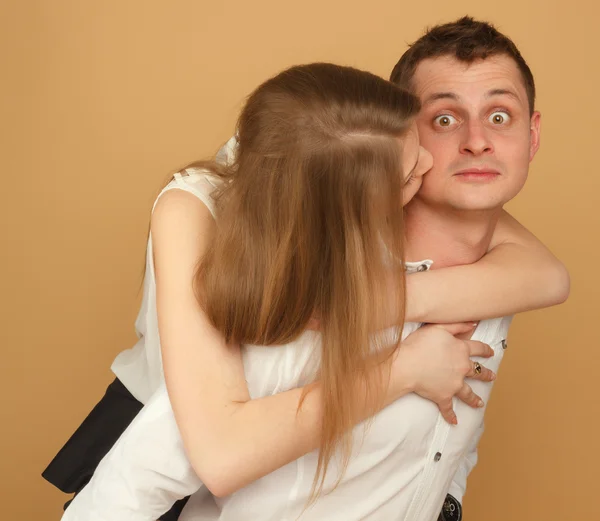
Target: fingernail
(480, 403)
(493, 376)
(474, 324)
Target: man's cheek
(430, 184)
(427, 138)
(441, 149)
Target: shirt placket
(430, 470)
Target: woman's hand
(435, 363)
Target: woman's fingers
(480, 372)
(477, 348)
(458, 327)
(467, 395)
(447, 411)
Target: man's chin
(461, 202)
(472, 204)
(476, 201)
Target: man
(478, 122)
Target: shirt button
(504, 344)
(437, 457)
(422, 267)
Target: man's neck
(449, 237)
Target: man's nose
(476, 140)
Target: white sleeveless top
(140, 368)
(401, 468)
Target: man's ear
(535, 127)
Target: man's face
(475, 122)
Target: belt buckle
(451, 510)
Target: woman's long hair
(309, 222)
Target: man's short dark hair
(467, 40)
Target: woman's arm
(230, 439)
(517, 274)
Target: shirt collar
(413, 267)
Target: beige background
(100, 100)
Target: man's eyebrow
(451, 96)
(440, 95)
(502, 92)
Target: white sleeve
(226, 154)
(458, 487)
(145, 472)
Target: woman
(308, 222)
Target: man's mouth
(478, 174)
